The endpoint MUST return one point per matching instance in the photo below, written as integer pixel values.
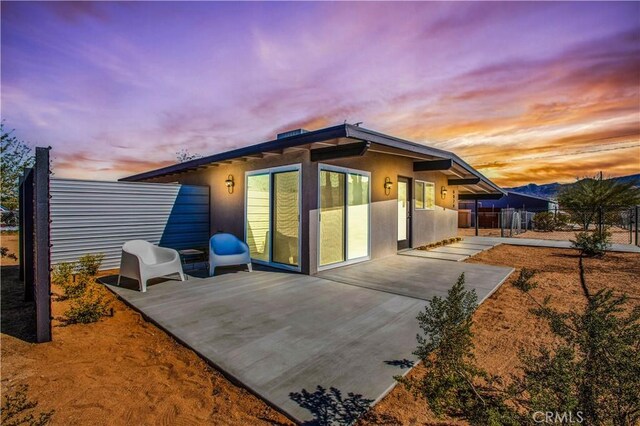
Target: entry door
(404, 213)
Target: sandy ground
(9, 241)
(503, 324)
(470, 232)
(618, 235)
(123, 370)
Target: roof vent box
(290, 133)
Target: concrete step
(434, 255)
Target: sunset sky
(525, 92)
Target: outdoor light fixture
(229, 184)
(387, 186)
(443, 192)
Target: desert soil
(124, 370)
(618, 235)
(503, 324)
(121, 370)
(10, 241)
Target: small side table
(192, 257)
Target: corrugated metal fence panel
(99, 217)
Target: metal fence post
(600, 220)
(630, 226)
(637, 227)
(475, 212)
(42, 282)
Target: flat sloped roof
(341, 131)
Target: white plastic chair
(226, 250)
(142, 261)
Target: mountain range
(550, 190)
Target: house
(489, 210)
(313, 200)
(515, 200)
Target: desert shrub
(17, 409)
(592, 243)
(76, 287)
(87, 308)
(63, 273)
(74, 277)
(594, 367)
(562, 220)
(9, 218)
(89, 264)
(4, 252)
(544, 221)
(590, 372)
(452, 384)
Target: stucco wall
(227, 210)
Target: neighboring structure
(515, 200)
(309, 201)
(489, 210)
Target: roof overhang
(342, 141)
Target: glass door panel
(332, 217)
(258, 216)
(286, 218)
(402, 210)
(358, 216)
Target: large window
(344, 215)
(425, 195)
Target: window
(425, 195)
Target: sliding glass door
(286, 217)
(344, 200)
(272, 216)
(332, 217)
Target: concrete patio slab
(426, 254)
(417, 277)
(455, 250)
(464, 244)
(532, 242)
(280, 334)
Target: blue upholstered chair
(226, 250)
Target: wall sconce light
(229, 184)
(387, 186)
(443, 192)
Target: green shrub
(562, 220)
(4, 252)
(592, 243)
(590, 370)
(89, 264)
(544, 221)
(88, 308)
(76, 287)
(62, 273)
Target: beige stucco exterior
(227, 209)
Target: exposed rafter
(340, 151)
(433, 165)
(480, 196)
(467, 181)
